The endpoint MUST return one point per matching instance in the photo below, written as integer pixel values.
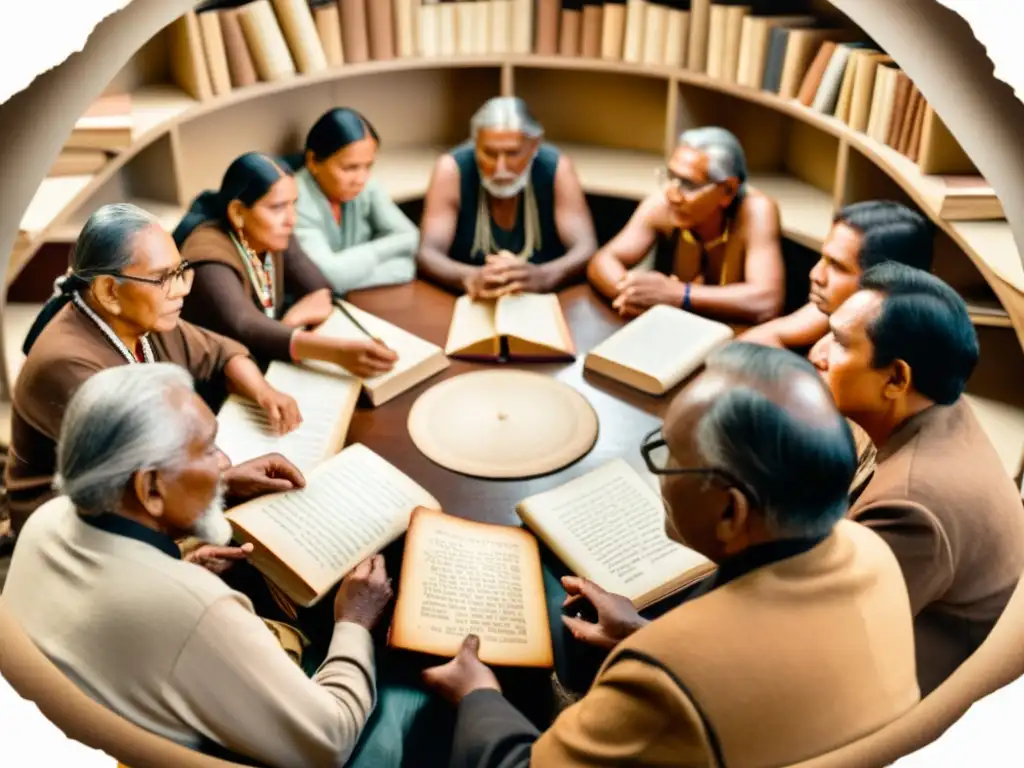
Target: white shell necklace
(106, 330)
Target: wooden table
(624, 414)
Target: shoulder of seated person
(756, 202)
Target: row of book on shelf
(356, 503)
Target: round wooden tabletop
(624, 414)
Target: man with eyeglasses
(716, 241)
(799, 642)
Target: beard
(212, 527)
(505, 189)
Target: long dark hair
(335, 130)
(104, 247)
(247, 180)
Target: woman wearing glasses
(119, 304)
(240, 241)
(716, 240)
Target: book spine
(655, 25)
(548, 17)
(465, 26)
(613, 30)
(482, 23)
(677, 35)
(522, 27)
(266, 42)
(697, 49)
(632, 47)
(447, 21)
(380, 25)
(296, 22)
(216, 56)
(404, 15)
(354, 38)
(430, 28)
(328, 27)
(240, 64)
(590, 41)
(501, 26)
(571, 23)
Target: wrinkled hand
(266, 474)
(364, 593)
(309, 311)
(617, 619)
(281, 409)
(218, 559)
(639, 291)
(365, 358)
(463, 674)
(504, 274)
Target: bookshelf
(811, 163)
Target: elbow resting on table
(762, 306)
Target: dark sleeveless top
(542, 176)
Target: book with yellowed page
(658, 350)
(459, 578)
(306, 540)
(325, 401)
(609, 526)
(525, 326)
(418, 359)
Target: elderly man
(862, 235)
(897, 360)
(801, 640)
(163, 642)
(716, 240)
(505, 211)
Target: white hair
(121, 420)
(508, 113)
(726, 159)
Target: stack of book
(104, 130)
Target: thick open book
(460, 578)
(306, 540)
(659, 349)
(524, 326)
(417, 359)
(326, 402)
(609, 526)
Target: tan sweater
(169, 646)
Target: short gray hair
(107, 238)
(779, 433)
(726, 159)
(508, 113)
(121, 420)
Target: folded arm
(797, 330)
(285, 719)
(626, 249)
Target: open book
(306, 540)
(609, 526)
(657, 350)
(459, 578)
(326, 402)
(417, 359)
(525, 326)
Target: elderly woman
(119, 304)
(348, 224)
(717, 240)
(240, 242)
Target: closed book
(677, 34)
(430, 28)
(901, 97)
(447, 20)
(549, 16)
(501, 26)
(571, 30)
(482, 23)
(354, 32)
(590, 38)
(404, 12)
(241, 67)
(266, 42)
(863, 89)
(716, 40)
(776, 56)
(801, 49)
(754, 45)
(697, 49)
(213, 48)
(465, 27)
(734, 16)
(613, 29)
(633, 41)
(188, 63)
(78, 162)
(811, 81)
(380, 28)
(655, 26)
(522, 26)
(296, 22)
(915, 106)
(831, 80)
(328, 28)
(845, 100)
(881, 102)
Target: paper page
(608, 526)
(461, 577)
(411, 349)
(472, 323)
(352, 506)
(325, 402)
(665, 343)
(533, 317)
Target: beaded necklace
(261, 276)
(106, 330)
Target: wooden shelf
(168, 213)
(1004, 425)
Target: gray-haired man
(716, 240)
(505, 211)
(98, 583)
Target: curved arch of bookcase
(1006, 280)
